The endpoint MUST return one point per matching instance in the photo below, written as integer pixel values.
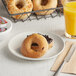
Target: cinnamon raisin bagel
(19, 6)
(44, 4)
(42, 48)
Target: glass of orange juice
(69, 7)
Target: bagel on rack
(37, 39)
(44, 4)
(19, 6)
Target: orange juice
(70, 18)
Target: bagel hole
(20, 5)
(34, 44)
(44, 2)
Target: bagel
(19, 6)
(42, 43)
(49, 40)
(44, 4)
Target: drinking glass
(69, 7)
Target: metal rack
(33, 16)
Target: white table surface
(13, 66)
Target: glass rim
(64, 5)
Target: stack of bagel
(21, 6)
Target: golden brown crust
(26, 49)
(26, 6)
(37, 6)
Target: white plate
(15, 44)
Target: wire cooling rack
(33, 16)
